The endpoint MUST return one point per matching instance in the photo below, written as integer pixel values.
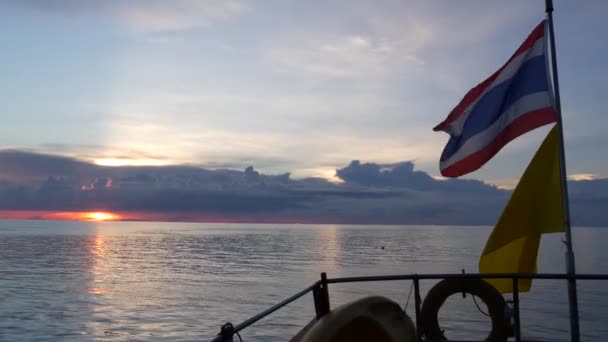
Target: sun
(100, 216)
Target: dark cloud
(28, 166)
(371, 174)
(241, 162)
(402, 175)
(371, 193)
(588, 202)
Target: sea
(157, 281)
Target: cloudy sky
(303, 87)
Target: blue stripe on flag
(531, 78)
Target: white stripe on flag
(538, 49)
(519, 108)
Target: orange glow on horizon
(99, 216)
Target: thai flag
(514, 100)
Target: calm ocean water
(114, 281)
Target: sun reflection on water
(99, 246)
(330, 247)
(97, 249)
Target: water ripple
(115, 281)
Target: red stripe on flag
(519, 126)
(474, 93)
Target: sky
(291, 87)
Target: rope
(407, 302)
(565, 243)
(478, 308)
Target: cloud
(583, 176)
(158, 16)
(150, 16)
(385, 40)
(19, 165)
(285, 86)
(98, 183)
(91, 151)
(347, 56)
(369, 193)
(402, 175)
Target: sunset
(175, 123)
(219, 170)
(64, 215)
(99, 216)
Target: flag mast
(570, 267)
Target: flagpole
(570, 267)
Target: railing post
(316, 295)
(417, 305)
(321, 297)
(226, 333)
(325, 292)
(516, 309)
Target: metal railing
(320, 293)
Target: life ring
(477, 287)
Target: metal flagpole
(572, 295)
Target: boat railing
(320, 291)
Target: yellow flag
(535, 208)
